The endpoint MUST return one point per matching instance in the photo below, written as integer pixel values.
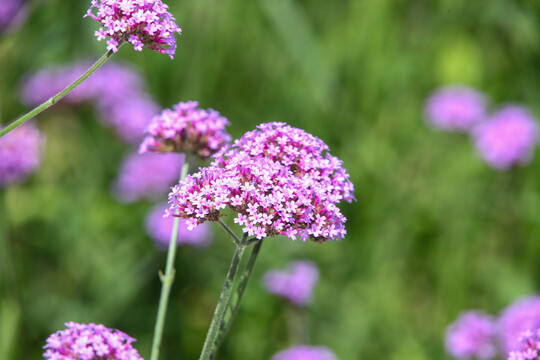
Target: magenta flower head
(159, 227)
(295, 284)
(20, 153)
(186, 129)
(455, 108)
(472, 335)
(278, 179)
(90, 342)
(140, 22)
(530, 346)
(305, 352)
(508, 138)
(521, 315)
(147, 176)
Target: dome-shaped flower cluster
(295, 284)
(305, 352)
(90, 342)
(508, 139)
(140, 22)
(520, 316)
(186, 129)
(20, 153)
(279, 179)
(529, 346)
(472, 335)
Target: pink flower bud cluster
(529, 346)
(117, 91)
(186, 129)
(305, 352)
(294, 284)
(278, 179)
(90, 342)
(20, 153)
(140, 22)
(472, 335)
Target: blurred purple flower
(530, 346)
(278, 179)
(294, 284)
(160, 227)
(305, 352)
(12, 13)
(140, 22)
(508, 138)
(147, 176)
(455, 108)
(20, 153)
(521, 315)
(90, 342)
(187, 129)
(472, 335)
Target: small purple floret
(508, 138)
(147, 176)
(529, 346)
(186, 129)
(90, 342)
(455, 108)
(295, 284)
(472, 335)
(160, 227)
(140, 22)
(305, 352)
(20, 153)
(521, 315)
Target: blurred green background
(434, 232)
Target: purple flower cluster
(10, 13)
(90, 342)
(472, 335)
(116, 90)
(455, 108)
(508, 138)
(278, 179)
(295, 284)
(522, 315)
(186, 129)
(147, 176)
(160, 228)
(530, 346)
(140, 22)
(505, 139)
(20, 153)
(305, 352)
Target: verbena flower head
(455, 108)
(508, 138)
(160, 227)
(295, 284)
(278, 179)
(140, 22)
(20, 153)
(522, 315)
(90, 342)
(472, 335)
(147, 176)
(187, 129)
(305, 352)
(530, 346)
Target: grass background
(434, 232)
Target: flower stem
(223, 302)
(53, 100)
(237, 298)
(167, 279)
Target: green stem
(53, 100)
(229, 232)
(167, 279)
(222, 303)
(237, 297)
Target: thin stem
(167, 279)
(231, 234)
(53, 100)
(222, 303)
(237, 297)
